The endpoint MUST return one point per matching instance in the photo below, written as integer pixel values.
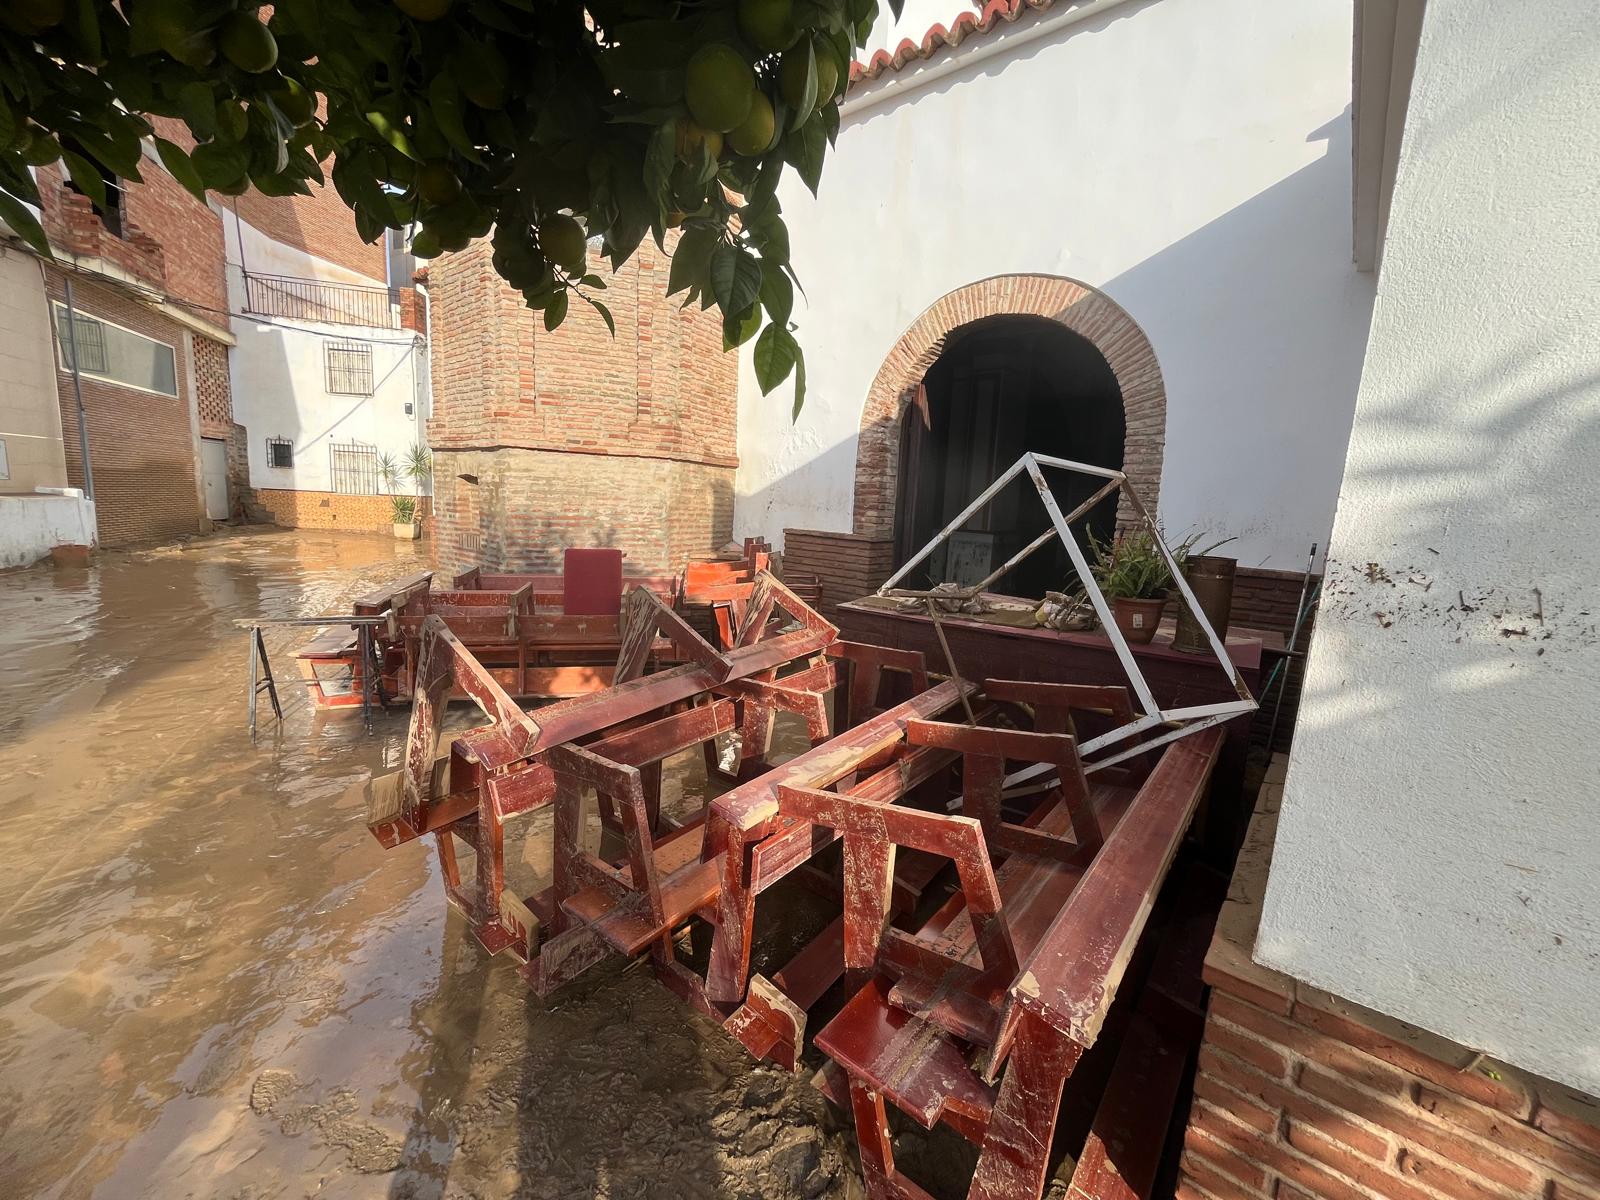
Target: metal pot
(1210, 578)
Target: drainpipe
(994, 43)
(77, 391)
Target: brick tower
(543, 441)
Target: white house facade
(330, 375)
(1148, 202)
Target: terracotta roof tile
(965, 25)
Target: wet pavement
(215, 983)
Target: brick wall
(331, 510)
(141, 445)
(578, 438)
(527, 506)
(846, 565)
(1302, 1096)
(319, 223)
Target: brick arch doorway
(1005, 362)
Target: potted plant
(1133, 574)
(406, 524)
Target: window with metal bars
(349, 368)
(280, 452)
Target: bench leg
(1016, 1147)
(877, 1154)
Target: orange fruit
(564, 243)
(247, 43)
(753, 136)
(690, 137)
(719, 86)
(768, 25)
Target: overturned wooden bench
(978, 1018)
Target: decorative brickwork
(1080, 308)
(1301, 1095)
(141, 445)
(576, 437)
(527, 506)
(213, 395)
(333, 510)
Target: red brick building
(577, 438)
(158, 351)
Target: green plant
(550, 124)
(419, 465)
(1131, 567)
(388, 469)
(404, 509)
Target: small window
(117, 355)
(280, 452)
(113, 213)
(5, 463)
(349, 368)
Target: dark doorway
(1003, 386)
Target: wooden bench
(978, 1019)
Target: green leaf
(735, 277)
(392, 132)
(740, 328)
(86, 177)
(805, 148)
(808, 97)
(691, 260)
(799, 384)
(659, 159)
(555, 312)
(775, 355)
(777, 293)
(180, 168)
(23, 224)
(444, 101)
(605, 314)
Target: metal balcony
(315, 300)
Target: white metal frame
(1176, 722)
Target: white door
(214, 462)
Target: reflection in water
(213, 982)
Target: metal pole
(1294, 636)
(77, 391)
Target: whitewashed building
(331, 374)
(1123, 226)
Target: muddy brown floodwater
(215, 983)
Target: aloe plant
(404, 509)
(1132, 567)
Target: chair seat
(911, 1061)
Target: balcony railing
(313, 300)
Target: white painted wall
(1193, 161)
(30, 412)
(31, 525)
(1438, 853)
(279, 377)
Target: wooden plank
(627, 927)
(1072, 977)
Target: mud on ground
(215, 983)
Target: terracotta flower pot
(1137, 619)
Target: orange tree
(544, 123)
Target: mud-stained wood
(1072, 977)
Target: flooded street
(214, 981)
